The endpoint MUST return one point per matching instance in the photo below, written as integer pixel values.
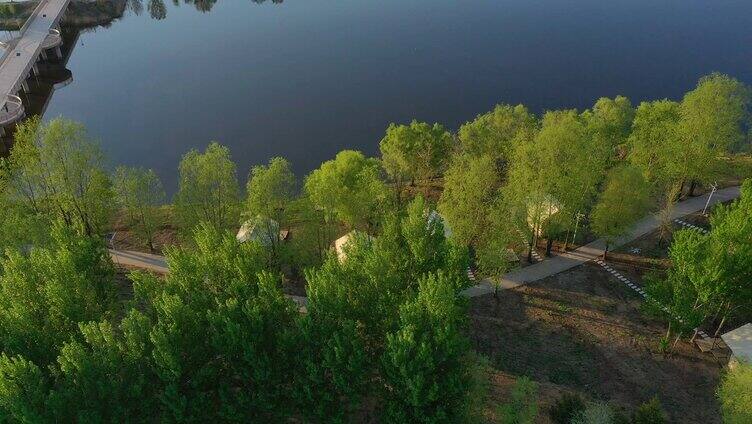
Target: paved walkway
(594, 250)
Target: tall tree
(425, 365)
(470, 190)
(140, 194)
(713, 116)
(624, 200)
(497, 133)
(655, 145)
(348, 188)
(610, 122)
(554, 176)
(416, 151)
(208, 189)
(271, 190)
(45, 294)
(56, 170)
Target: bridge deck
(21, 53)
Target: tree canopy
(208, 189)
(415, 151)
(348, 188)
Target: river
(304, 79)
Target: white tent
(340, 245)
(262, 230)
(740, 343)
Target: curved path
(549, 266)
(594, 250)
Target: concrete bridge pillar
(43, 55)
(58, 53)
(25, 86)
(35, 69)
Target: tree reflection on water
(158, 10)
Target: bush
(596, 413)
(735, 395)
(523, 406)
(566, 408)
(650, 413)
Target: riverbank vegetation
(385, 335)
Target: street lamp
(713, 189)
(576, 225)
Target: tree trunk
(692, 187)
(549, 245)
(605, 252)
(530, 249)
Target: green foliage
(470, 190)
(354, 304)
(735, 395)
(56, 170)
(270, 189)
(348, 188)
(140, 194)
(555, 176)
(650, 412)
(595, 413)
(424, 362)
(496, 133)
(208, 189)
(45, 294)
(610, 122)
(655, 143)
(566, 408)
(23, 389)
(709, 273)
(415, 151)
(624, 200)
(523, 406)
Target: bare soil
(582, 331)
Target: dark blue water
(306, 78)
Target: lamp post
(713, 189)
(576, 225)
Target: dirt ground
(582, 331)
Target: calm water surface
(306, 78)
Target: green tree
(655, 148)
(56, 170)
(610, 122)
(470, 190)
(45, 294)
(735, 395)
(220, 339)
(713, 119)
(140, 194)
(624, 200)
(424, 364)
(348, 189)
(497, 133)
(416, 151)
(271, 190)
(554, 177)
(208, 189)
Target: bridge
(20, 55)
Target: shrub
(566, 408)
(650, 413)
(523, 406)
(596, 413)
